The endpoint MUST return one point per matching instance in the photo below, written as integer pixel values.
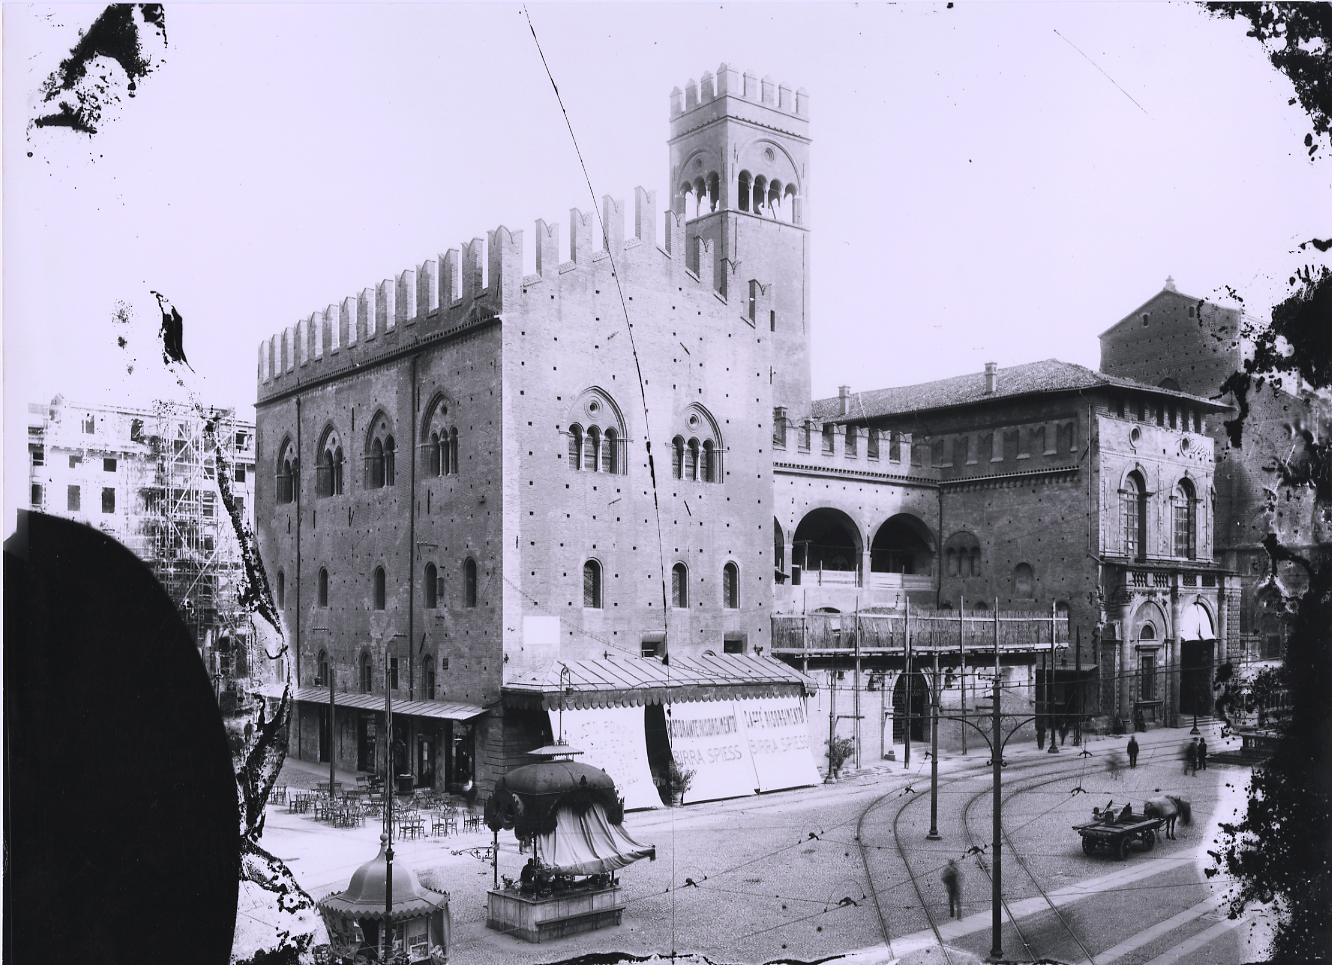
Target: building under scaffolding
(149, 478)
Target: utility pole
(388, 816)
(962, 661)
(1049, 678)
(996, 748)
(934, 754)
(856, 682)
(331, 721)
(907, 692)
(832, 722)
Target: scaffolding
(160, 465)
(185, 533)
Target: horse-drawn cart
(1117, 837)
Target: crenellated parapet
(746, 87)
(466, 287)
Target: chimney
(844, 398)
(991, 378)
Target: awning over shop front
(616, 681)
(439, 709)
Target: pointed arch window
(323, 586)
(389, 472)
(592, 585)
(469, 582)
(435, 456)
(328, 481)
(379, 453)
(321, 669)
(376, 464)
(679, 586)
(287, 474)
(1186, 523)
(731, 586)
(431, 587)
(380, 589)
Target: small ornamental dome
(365, 894)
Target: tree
(1280, 851)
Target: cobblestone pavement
(783, 875)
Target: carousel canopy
(365, 894)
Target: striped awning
(439, 709)
(616, 681)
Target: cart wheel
(1088, 845)
(1124, 847)
(1148, 840)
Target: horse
(1170, 808)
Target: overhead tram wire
(642, 392)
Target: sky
(991, 182)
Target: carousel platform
(535, 918)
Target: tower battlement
(465, 287)
(729, 93)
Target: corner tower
(740, 176)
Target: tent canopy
(589, 844)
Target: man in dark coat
(1202, 753)
(1133, 751)
(952, 879)
(1191, 757)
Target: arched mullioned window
(592, 585)
(323, 586)
(367, 674)
(321, 669)
(431, 587)
(439, 438)
(1186, 521)
(699, 459)
(288, 473)
(328, 481)
(743, 195)
(379, 453)
(596, 433)
(469, 582)
(679, 586)
(380, 590)
(731, 586)
(1133, 516)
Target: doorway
(425, 762)
(914, 711)
(1195, 684)
(365, 742)
(325, 736)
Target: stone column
(1122, 613)
(1173, 650)
(1223, 593)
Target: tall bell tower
(740, 174)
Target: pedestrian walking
(1063, 730)
(1202, 753)
(952, 879)
(1133, 751)
(1040, 732)
(1191, 757)
(1115, 765)
(1139, 721)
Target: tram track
(906, 861)
(1010, 844)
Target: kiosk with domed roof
(380, 919)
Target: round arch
(902, 544)
(1149, 613)
(1196, 621)
(828, 539)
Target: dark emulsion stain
(80, 97)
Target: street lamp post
(934, 755)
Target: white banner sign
(778, 733)
(708, 739)
(613, 739)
